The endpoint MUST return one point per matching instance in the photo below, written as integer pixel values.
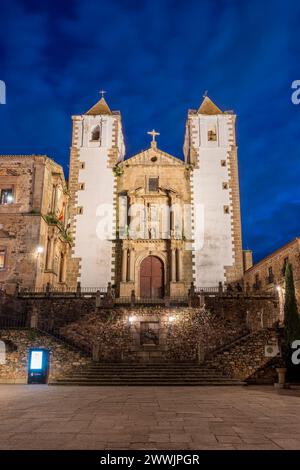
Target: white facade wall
(213, 237)
(95, 227)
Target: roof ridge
(101, 107)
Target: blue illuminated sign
(36, 360)
(38, 366)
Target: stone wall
(157, 333)
(109, 329)
(182, 333)
(62, 358)
(58, 311)
(245, 358)
(257, 311)
(55, 312)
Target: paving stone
(100, 418)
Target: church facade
(153, 223)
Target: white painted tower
(97, 146)
(210, 148)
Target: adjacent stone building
(34, 239)
(268, 274)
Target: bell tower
(97, 146)
(210, 148)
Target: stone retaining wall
(183, 333)
(244, 359)
(18, 342)
(258, 311)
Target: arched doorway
(152, 277)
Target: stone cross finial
(102, 93)
(154, 134)
(205, 93)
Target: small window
(96, 134)
(225, 185)
(285, 262)
(226, 209)
(6, 196)
(212, 133)
(79, 210)
(81, 186)
(270, 275)
(153, 184)
(2, 259)
(223, 162)
(61, 274)
(82, 165)
(257, 282)
(48, 254)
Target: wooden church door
(152, 277)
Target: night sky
(155, 59)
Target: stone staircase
(97, 374)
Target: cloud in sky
(155, 58)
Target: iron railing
(54, 333)
(62, 292)
(206, 290)
(179, 300)
(12, 323)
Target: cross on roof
(154, 134)
(205, 93)
(102, 93)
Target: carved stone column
(124, 265)
(173, 265)
(50, 253)
(179, 264)
(131, 264)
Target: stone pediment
(153, 156)
(162, 191)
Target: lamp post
(281, 370)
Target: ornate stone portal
(153, 255)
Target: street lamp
(39, 250)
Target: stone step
(150, 384)
(152, 368)
(131, 379)
(147, 374)
(150, 377)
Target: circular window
(154, 159)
